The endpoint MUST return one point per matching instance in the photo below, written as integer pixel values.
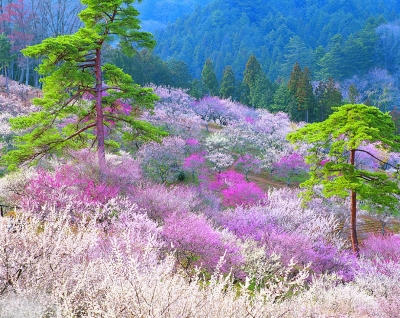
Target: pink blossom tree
(289, 167)
(194, 164)
(236, 190)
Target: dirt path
(266, 183)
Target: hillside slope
(278, 32)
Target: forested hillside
(156, 14)
(332, 38)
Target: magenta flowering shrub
(197, 244)
(323, 257)
(194, 164)
(193, 145)
(386, 248)
(235, 190)
(80, 177)
(254, 224)
(51, 187)
(290, 166)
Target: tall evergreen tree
(209, 78)
(253, 69)
(300, 87)
(261, 92)
(260, 87)
(295, 77)
(197, 89)
(84, 98)
(243, 93)
(283, 100)
(228, 84)
(179, 73)
(5, 57)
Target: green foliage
(5, 56)
(279, 33)
(81, 95)
(228, 84)
(262, 92)
(260, 89)
(5, 49)
(243, 93)
(283, 101)
(331, 141)
(300, 87)
(295, 52)
(209, 78)
(197, 89)
(252, 71)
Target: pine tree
(335, 143)
(228, 84)
(209, 78)
(262, 92)
(253, 69)
(283, 100)
(243, 93)
(300, 87)
(332, 64)
(85, 99)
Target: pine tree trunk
(99, 111)
(353, 212)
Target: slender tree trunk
(6, 76)
(99, 111)
(27, 72)
(11, 70)
(353, 211)
(21, 78)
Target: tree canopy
(336, 143)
